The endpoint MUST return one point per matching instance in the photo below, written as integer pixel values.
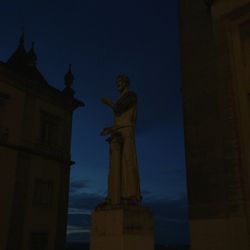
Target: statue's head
(122, 82)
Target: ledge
(38, 153)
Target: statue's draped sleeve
(127, 101)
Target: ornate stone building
(215, 46)
(35, 141)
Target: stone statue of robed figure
(121, 222)
(123, 181)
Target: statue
(123, 180)
(121, 222)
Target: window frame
(43, 196)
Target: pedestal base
(122, 228)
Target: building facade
(215, 56)
(35, 142)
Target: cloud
(81, 204)
(79, 211)
(76, 230)
(79, 220)
(85, 200)
(169, 208)
(76, 185)
(77, 234)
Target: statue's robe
(124, 183)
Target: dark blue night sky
(102, 39)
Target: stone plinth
(122, 228)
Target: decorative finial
(68, 78)
(68, 81)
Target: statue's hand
(107, 101)
(106, 131)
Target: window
(4, 134)
(39, 240)
(48, 133)
(3, 98)
(49, 129)
(43, 192)
(3, 130)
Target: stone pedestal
(126, 227)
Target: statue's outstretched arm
(107, 131)
(108, 102)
